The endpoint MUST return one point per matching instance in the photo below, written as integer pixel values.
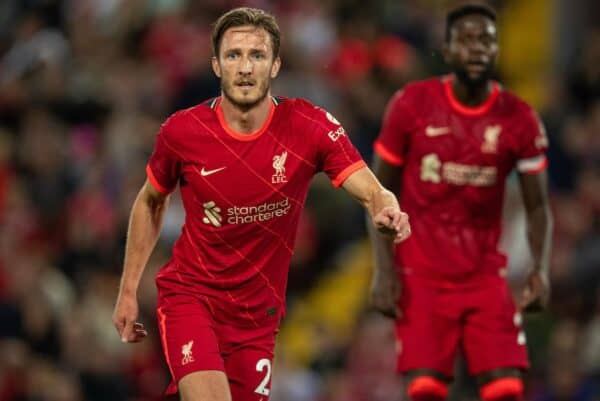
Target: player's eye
(487, 40)
(464, 39)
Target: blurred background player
(447, 145)
(243, 162)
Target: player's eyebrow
(257, 50)
(253, 51)
(234, 50)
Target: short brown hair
(246, 16)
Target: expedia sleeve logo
(335, 135)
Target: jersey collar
(237, 135)
(468, 110)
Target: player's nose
(245, 66)
(477, 48)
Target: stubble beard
(463, 76)
(246, 105)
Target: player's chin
(475, 75)
(476, 78)
(247, 99)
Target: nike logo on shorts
(205, 173)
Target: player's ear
(496, 54)
(446, 52)
(275, 67)
(215, 66)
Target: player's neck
(471, 95)
(246, 121)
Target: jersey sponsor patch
(432, 131)
(212, 214)
(245, 214)
(435, 171)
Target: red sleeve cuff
(386, 155)
(155, 182)
(347, 172)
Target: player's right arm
(390, 148)
(145, 223)
(385, 287)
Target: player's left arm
(380, 203)
(534, 189)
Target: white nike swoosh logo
(204, 173)
(436, 131)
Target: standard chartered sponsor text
(258, 213)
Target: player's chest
(463, 140)
(240, 172)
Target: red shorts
(481, 319)
(193, 340)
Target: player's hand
(536, 293)
(385, 292)
(124, 319)
(394, 222)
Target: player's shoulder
(182, 119)
(514, 105)
(206, 109)
(299, 104)
(425, 85)
(305, 109)
(417, 91)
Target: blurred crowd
(84, 86)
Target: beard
(245, 104)
(474, 82)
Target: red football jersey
(243, 196)
(455, 161)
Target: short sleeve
(164, 166)
(532, 144)
(337, 156)
(398, 121)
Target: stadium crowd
(84, 86)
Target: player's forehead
(246, 37)
(474, 24)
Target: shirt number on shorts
(261, 365)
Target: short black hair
(467, 9)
